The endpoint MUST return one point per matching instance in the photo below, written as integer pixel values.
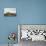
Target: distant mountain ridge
(9, 14)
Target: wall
(28, 12)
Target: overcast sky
(12, 10)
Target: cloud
(11, 10)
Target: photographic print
(9, 11)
